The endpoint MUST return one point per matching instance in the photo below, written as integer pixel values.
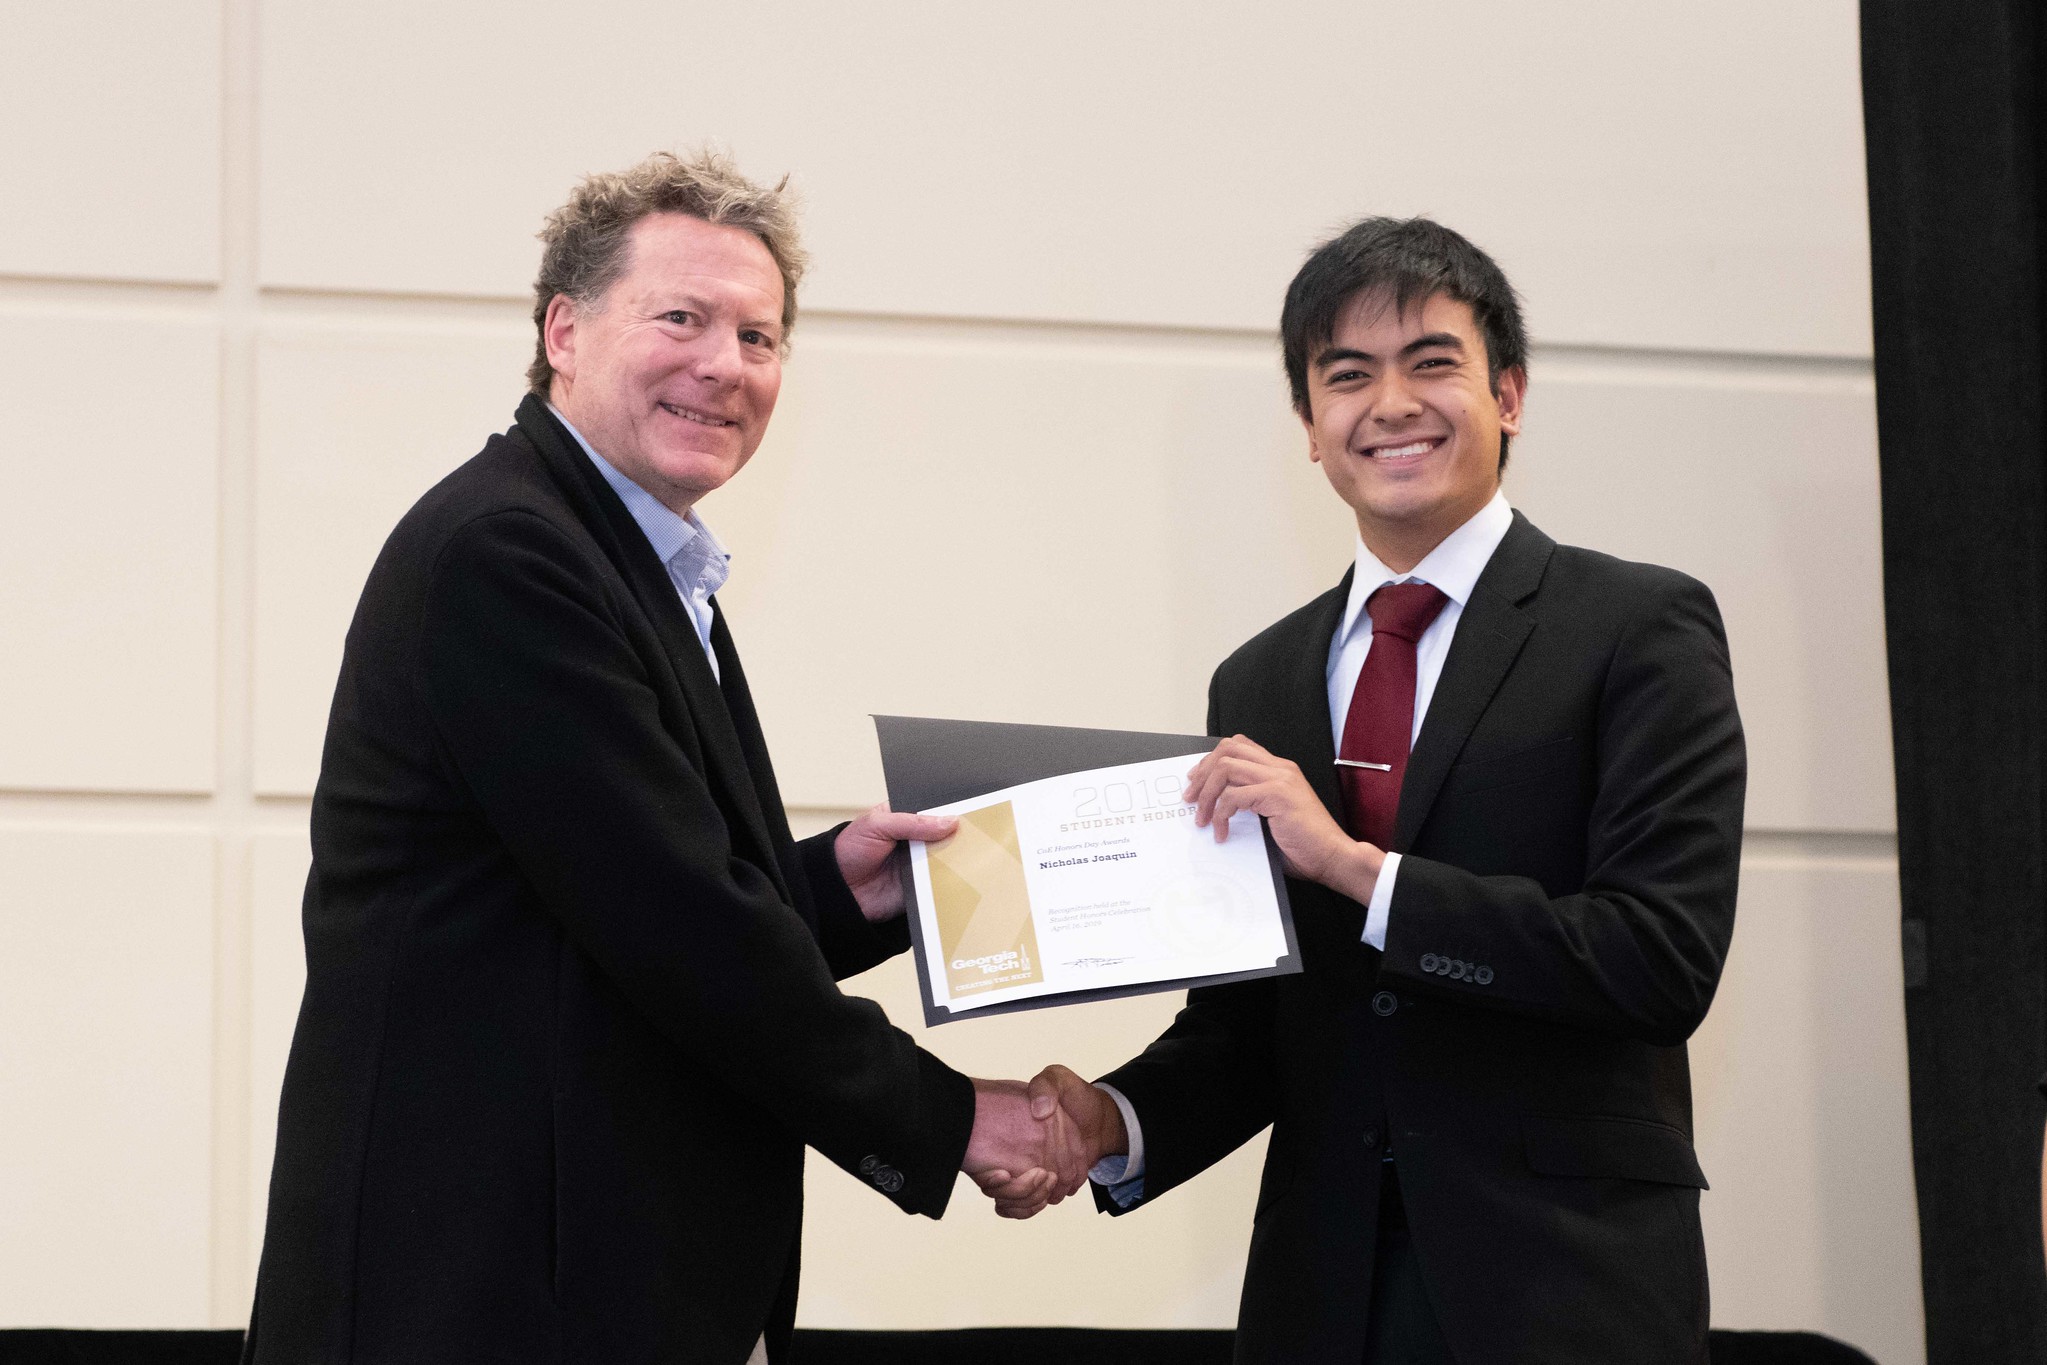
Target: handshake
(1033, 1145)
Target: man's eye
(678, 316)
(753, 338)
(1346, 376)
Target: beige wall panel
(277, 980)
(106, 1039)
(1111, 163)
(111, 164)
(353, 424)
(1766, 489)
(108, 551)
(1179, 1263)
(1004, 529)
(1803, 1125)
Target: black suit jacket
(570, 1013)
(1570, 823)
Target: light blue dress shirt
(697, 564)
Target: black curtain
(1950, 106)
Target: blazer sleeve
(850, 942)
(1637, 950)
(1207, 1085)
(546, 713)
(1204, 1088)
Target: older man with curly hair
(571, 1015)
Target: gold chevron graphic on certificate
(982, 905)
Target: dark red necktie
(1380, 722)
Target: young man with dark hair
(1507, 779)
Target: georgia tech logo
(993, 962)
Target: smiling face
(673, 373)
(1405, 424)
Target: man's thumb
(1044, 1093)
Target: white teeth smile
(1407, 451)
(691, 415)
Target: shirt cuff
(1122, 1169)
(1381, 902)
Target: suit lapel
(1489, 638)
(715, 734)
(1301, 728)
(753, 745)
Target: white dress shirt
(697, 564)
(1453, 568)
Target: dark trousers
(1402, 1328)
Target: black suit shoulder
(506, 476)
(1275, 651)
(1616, 587)
(1645, 621)
(380, 702)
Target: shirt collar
(1452, 567)
(668, 533)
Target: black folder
(930, 763)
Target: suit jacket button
(1429, 961)
(1384, 1004)
(1371, 1137)
(1483, 976)
(888, 1179)
(869, 1165)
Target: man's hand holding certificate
(1239, 776)
(1092, 883)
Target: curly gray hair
(587, 241)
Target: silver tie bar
(1358, 763)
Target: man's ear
(559, 332)
(1513, 386)
(1308, 425)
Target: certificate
(1089, 884)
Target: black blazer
(570, 1013)
(1571, 827)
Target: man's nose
(1395, 401)
(716, 357)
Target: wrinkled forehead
(665, 250)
